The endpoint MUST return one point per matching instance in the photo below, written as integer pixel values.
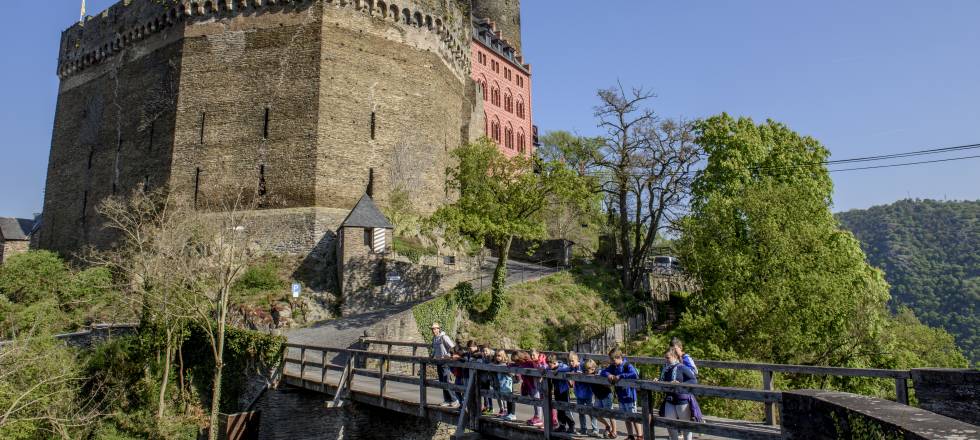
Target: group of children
(585, 393)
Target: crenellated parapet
(129, 22)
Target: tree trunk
(167, 362)
(218, 364)
(499, 283)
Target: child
(529, 387)
(617, 370)
(541, 362)
(603, 399)
(680, 406)
(487, 379)
(460, 374)
(505, 385)
(686, 359)
(560, 389)
(583, 396)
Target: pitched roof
(366, 215)
(15, 228)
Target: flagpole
(81, 16)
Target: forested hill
(930, 252)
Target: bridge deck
(404, 398)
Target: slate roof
(366, 215)
(16, 228)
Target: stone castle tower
(301, 102)
(506, 14)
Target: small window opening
(197, 185)
(84, 204)
(367, 236)
(265, 125)
(91, 156)
(146, 183)
(204, 116)
(374, 121)
(262, 189)
(152, 132)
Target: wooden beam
(423, 391)
(902, 391)
(767, 385)
(646, 402)
(546, 410)
(467, 399)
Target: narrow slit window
(265, 125)
(146, 183)
(262, 189)
(197, 185)
(204, 118)
(153, 126)
(91, 156)
(374, 122)
(84, 204)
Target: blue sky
(864, 77)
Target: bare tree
(182, 264)
(647, 166)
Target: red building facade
(505, 82)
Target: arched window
(495, 130)
(509, 138)
(521, 142)
(508, 102)
(495, 95)
(520, 108)
(486, 93)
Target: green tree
(781, 281)
(501, 199)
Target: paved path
(366, 389)
(345, 331)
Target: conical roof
(366, 215)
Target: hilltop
(930, 252)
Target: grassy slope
(552, 311)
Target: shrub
(260, 278)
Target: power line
(951, 159)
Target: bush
(261, 278)
(465, 294)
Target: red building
(505, 80)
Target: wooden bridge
(392, 375)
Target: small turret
(506, 14)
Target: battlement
(128, 22)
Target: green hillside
(930, 252)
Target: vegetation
(41, 294)
(781, 282)
(412, 248)
(928, 250)
(553, 312)
(501, 199)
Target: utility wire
(951, 159)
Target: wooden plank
(302, 363)
(343, 384)
(467, 400)
(382, 369)
(646, 402)
(414, 353)
(388, 360)
(902, 391)
(770, 418)
(423, 394)
(546, 410)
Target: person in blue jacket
(686, 359)
(679, 405)
(583, 396)
(617, 370)
(560, 388)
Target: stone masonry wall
(294, 414)
(951, 392)
(271, 99)
(9, 248)
(507, 15)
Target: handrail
(901, 377)
(731, 365)
(645, 389)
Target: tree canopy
(781, 281)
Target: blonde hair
(591, 365)
(500, 356)
(572, 357)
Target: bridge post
(646, 402)
(323, 369)
(546, 409)
(767, 385)
(387, 361)
(466, 404)
(414, 354)
(302, 364)
(902, 391)
(382, 369)
(423, 392)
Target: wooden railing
(469, 413)
(901, 377)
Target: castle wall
(112, 134)
(391, 74)
(246, 116)
(507, 16)
(317, 68)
